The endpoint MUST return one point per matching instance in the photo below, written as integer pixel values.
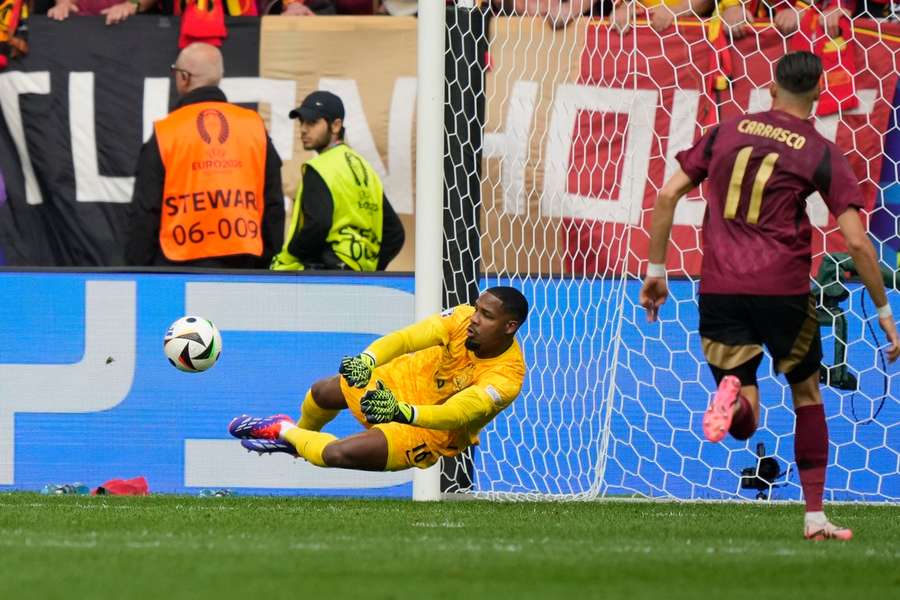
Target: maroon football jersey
(760, 170)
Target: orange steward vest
(214, 154)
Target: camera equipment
(829, 288)
(762, 477)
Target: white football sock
(816, 518)
(285, 427)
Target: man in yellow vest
(341, 218)
(208, 186)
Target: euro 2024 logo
(212, 126)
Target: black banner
(73, 124)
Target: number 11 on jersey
(759, 183)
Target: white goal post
(429, 187)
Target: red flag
(202, 21)
(838, 61)
(11, 12)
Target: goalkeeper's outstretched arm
(357, 370)
(418, 336)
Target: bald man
(208, 186)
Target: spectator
(787, 20)
(208, 187)
(114, 10)
(303, 8)
(662, 14)
(356, 7)
(399, 8)
(561, 12)
(341, 217)
(328, 7)
(738, 16)
(876, 9)
(557, 12)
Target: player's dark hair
(798, 72)
(514, 303)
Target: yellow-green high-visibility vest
(356, 226)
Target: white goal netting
(555, 166)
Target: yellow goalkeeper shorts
(408, 446)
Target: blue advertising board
(609, 404)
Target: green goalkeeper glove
(357, 370)
(380, 406)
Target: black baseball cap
(319, 105)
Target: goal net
(558, 141)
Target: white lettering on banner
(398, 181)
(279, 94)
(640, 106)
(511, 145)
(90, 185)
(156, 102)
(12, 84)
(287, 307)
(685, 104)
(92, 384)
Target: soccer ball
(192, 344)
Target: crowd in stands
(736, 15)
(119, 10)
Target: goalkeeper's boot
(269, 446)
(828, 531)
(717, 419)
(258, 428)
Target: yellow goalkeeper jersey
(427, 364)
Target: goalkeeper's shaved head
(514, 303)
(499, 312)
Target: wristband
(656, 270)
(885, 311)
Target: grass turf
(266, 547)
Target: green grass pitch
(255, 548)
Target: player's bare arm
(655, 289)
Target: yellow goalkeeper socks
(309, 444)
(312, 416)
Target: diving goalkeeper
(422, 392)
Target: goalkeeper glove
(380, 406)
(357, 370)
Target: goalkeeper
(422, 392)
